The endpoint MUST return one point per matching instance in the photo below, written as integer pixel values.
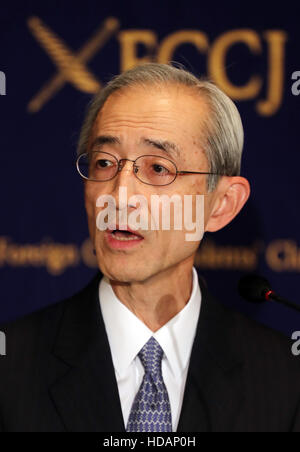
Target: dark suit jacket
(58, 373)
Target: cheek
(208, 207)
(176, 248)
(88, 203)
(90, 197)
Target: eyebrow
(168, 147)
(105, 139)
(164, 145)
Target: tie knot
(151, 355)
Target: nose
(125, 178)
(121, 164)
(125, 169)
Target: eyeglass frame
(177, 173)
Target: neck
(158, 299)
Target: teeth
(125, 238)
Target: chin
(126, 273)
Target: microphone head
(253, 288)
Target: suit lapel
(214, 389)
(86, 397)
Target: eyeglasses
(101, 166)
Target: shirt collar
(127, 334)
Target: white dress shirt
(127, 335)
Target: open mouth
(125, 236)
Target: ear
(231, 195)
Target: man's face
(137, 118)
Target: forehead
(166, 112)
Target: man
(145, 347)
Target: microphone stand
(273, 296)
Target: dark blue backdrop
(250, 49)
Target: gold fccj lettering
(266, 88)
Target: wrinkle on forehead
(171, 111)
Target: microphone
(256, 289)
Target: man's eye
(159, 169)
(103, 163)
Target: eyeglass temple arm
(197, 172)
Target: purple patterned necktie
(151, 411)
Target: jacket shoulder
(258, 344)
(37, 330)
(267, 350)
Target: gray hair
(223, 136)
